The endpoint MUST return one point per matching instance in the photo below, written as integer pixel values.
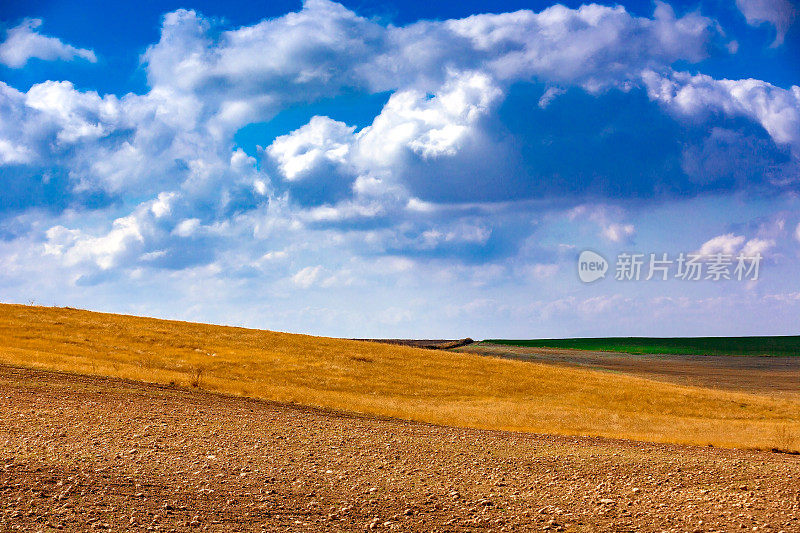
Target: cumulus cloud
(325, 48)
(23, 43)
(158, 233)
(594, 46)
(75, 115)
(114, 147)
(757, 246)
(731, 244)
(104, 250)
(777, 110)
(314, 160)
(429, 126)
(779, 13)
(724, 244)
(312, 53)
(11, 153)
(320, 142)
(205, 84)
(414, 130)
(187, 227)
(440, 171)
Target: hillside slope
(440, 387)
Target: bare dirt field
(91, 453)
(771, 375)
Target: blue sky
(411, 169)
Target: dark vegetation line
(763, 346)
(430, 344)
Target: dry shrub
(197, 374)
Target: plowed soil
(771, 375)
(95, 454)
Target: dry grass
(432, 386)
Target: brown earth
(86, 453)
(776, 375)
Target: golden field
(457, 389)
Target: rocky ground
(79, 454)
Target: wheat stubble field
(141, 426)
(440, 387)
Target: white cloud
(342, 211)
(311, 53)
(308, 276)
(372, 161)
(731, 244)
(174, 145)
(325, 47)
(722, 244)
(618, 232)
(77, 115)
(106, 250)
(776, 109)
(779, 13)
(428, 126)
(11, 154)
(549, 95)
(162, 205)
(320, 142)
(23, 43)
(757, 246)
(421, 206)
(176, 136)
(459, 233)
(155, 232)
(593, 46)
(187, 227)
